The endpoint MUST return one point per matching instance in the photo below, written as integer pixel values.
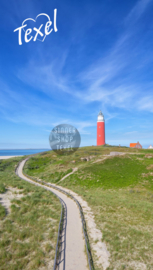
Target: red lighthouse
(100, 129)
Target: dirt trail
(74, 170)
(75, 257)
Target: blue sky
(101, 57)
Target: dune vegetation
(29, 222)
(119, 190)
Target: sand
(10, 194)
(7, 157)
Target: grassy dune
(120, 192)
(28, 230)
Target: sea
(21, 152)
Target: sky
(101, 58)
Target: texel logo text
(44, 28)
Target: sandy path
(75, 258)
(74, 170)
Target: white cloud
(131, 132)
(145, 104)
(137, 11)
(99, 83)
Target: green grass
(113, 173)
(119, 191)
(28, 234)
(2, 212)
(36, 166)
(2, 188)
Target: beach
(7, 157)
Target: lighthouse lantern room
(100, 129)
